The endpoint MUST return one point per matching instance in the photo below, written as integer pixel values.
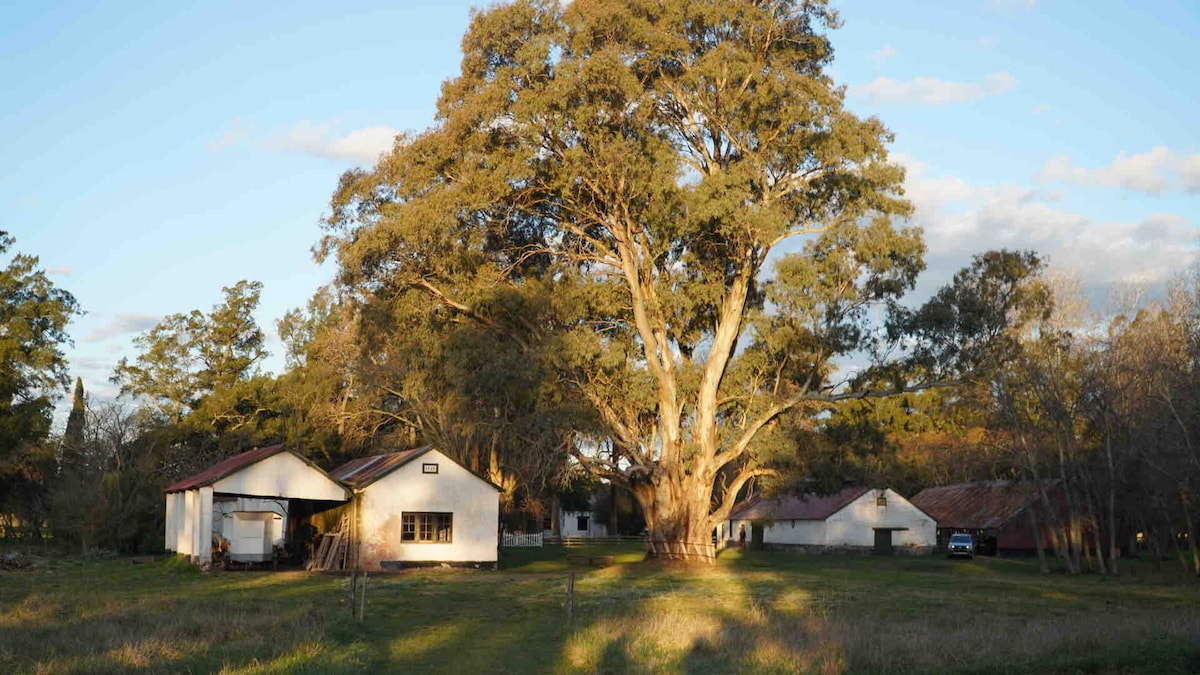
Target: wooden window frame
(426, 527)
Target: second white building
(419, 507)
(855, 519)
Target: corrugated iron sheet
(225, 467)
(361, 472)
(976, 506)
(805, 507)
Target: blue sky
(153, 154)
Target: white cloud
(1152, 172)
(932, 90)
(232, 136)
(1189, 173)
(124, 323)
(61, 271)
(324, 141)
(999, 83)
(987, 41)
(1039, 109)
(961, 219)
(882, 55)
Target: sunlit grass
(752, 612)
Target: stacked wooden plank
(331, 552)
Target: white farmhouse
(419, 507)
(251, 500)
(581, 524)
(857, 518)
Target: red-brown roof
(225, 467)
(976, 506)
(805, 507)
(361, 472)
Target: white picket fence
(518, 539)
(542, 539)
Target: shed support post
(201, 516)
(169, 535)
(188, 521)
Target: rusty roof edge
(416, 452)
(278, 449)
(232, 470)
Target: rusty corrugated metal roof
(225, 467)
(805, 507)
(981, 505)
(361, 472)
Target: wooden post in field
(353, 591)
(362, 608)
(571, 597)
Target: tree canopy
(34, 315)
(665, 207)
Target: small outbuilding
(251, 501)
(1000, 513)
(419, 507)
(583, 524)
(854, 519)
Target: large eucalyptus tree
(604, 186)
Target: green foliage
(34, 315)
(972, 325)
(189, 356)
(588, 221)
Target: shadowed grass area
(752, 612)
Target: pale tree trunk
(1043, 565)
(1094, 522)
(613, 528)
(1191, 532)
(1113, 552)
(1073, 530)
(679, 526)
(1054, 525)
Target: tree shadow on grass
(112, 617)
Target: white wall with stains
(474, 503)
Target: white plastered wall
(854, 524)
(282, 475)
(569, 525)
(474, 503)
(806, 532)
(191, 518)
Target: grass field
(751, 613)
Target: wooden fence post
(571, 597)
(362, 608)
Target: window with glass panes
(426, 528)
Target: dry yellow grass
(751, 613)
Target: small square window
(581, 523)
(881, 500)
(429, 468)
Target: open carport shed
(241, 488)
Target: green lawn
(751, 613)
